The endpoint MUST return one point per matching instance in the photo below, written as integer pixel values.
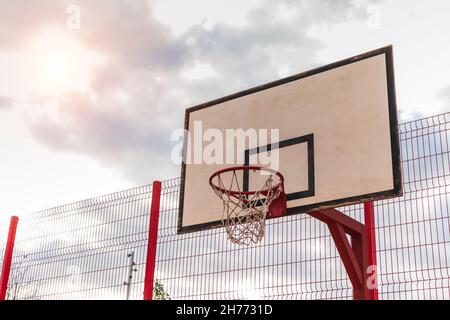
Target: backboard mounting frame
(397, 189)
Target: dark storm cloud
(138, 97)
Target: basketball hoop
(245, 212)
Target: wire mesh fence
(80, 250)
(413, 232)
(83, 250)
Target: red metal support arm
(353, 254)
(7, 259)
(152, 241)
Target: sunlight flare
(60, 63)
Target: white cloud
(199, 71)
(145, 62)
(33, 178)
(181, 15)
(418, 33)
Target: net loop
(245, 212)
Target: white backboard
(337, 138)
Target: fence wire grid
(83, 250)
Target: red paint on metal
(345, 251)
(278, 207)
(152, 241)
(369, 218)
(354, 255)
(243, 168)
(8, 257)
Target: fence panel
(80, 251)
(413, 232)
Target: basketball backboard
(332, 133)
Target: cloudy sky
(87, 106)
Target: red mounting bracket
(353, 254)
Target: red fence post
(7, 259)
(152, 241)
(369, 219)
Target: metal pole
(152, 241)
(8, 257)
(369, 219)
(131, 269)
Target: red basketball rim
(241, 168)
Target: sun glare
(59, 63)
(58, 73)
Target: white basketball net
(244, 216)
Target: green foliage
(158, 291)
